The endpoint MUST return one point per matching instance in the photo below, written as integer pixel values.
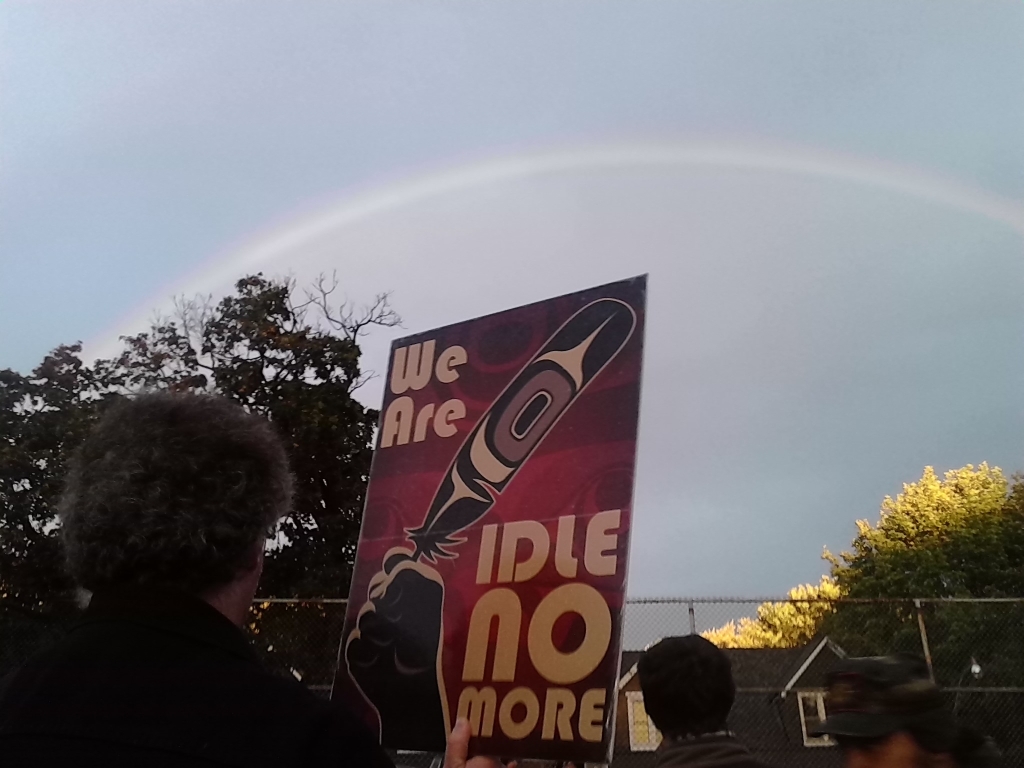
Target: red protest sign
(490, 575)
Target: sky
(829, 200)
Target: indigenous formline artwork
(543, 401)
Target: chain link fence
(974, 647)
(299, 638)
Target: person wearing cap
(688, 692)
(886, 712)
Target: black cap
(869, 698)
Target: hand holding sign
(457, 753)
(396, 647)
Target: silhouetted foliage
(297, 361)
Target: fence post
(924, 638)
(693, 617)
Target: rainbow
(266, 249)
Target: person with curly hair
(166, 512)
(688, 692)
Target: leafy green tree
(955, 536)
(294, 359)
(958, 536)
(42, 417)
(952, 539)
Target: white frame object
(653, 734)
(819, 698)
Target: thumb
(457, 753)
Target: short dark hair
(172, 490)
(971, 749)
(687, 686)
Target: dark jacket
(165, 681)
(705, 752)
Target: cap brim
(855, 724)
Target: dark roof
(629, 658)
(766, 667)
(753, 667)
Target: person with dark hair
(886, 712)
(688, 692)
(972, 749)
(167, 507)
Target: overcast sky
(829, 199)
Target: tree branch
(345, 318)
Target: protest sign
(490, 575)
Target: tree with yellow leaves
(956, 536)
(783, 624)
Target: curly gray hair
(172, 490)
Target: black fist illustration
(394, 654)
